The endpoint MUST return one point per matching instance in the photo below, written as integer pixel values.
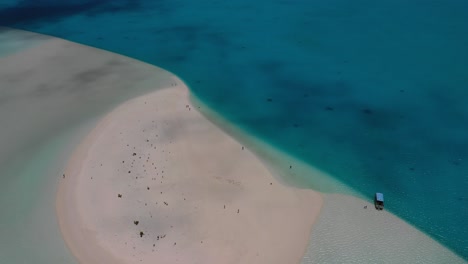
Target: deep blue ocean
(375, 93)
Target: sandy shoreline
(197, 194)
(348, 229)
(58, 84)
(51, 92)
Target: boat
(379, 201)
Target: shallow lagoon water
(49, 100)
(373, 93)
(28, 229)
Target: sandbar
(157, 181)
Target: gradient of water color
(371, 92)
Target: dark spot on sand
(136, 222)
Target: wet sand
(51, 93)
(351, 230)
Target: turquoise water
(371, 92)
(28, 206)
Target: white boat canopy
(379, 197)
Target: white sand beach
(348, 229)
(50, 83)
(197, 194)
(51, 92)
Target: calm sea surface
(374, 93)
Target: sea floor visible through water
(372, 93)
